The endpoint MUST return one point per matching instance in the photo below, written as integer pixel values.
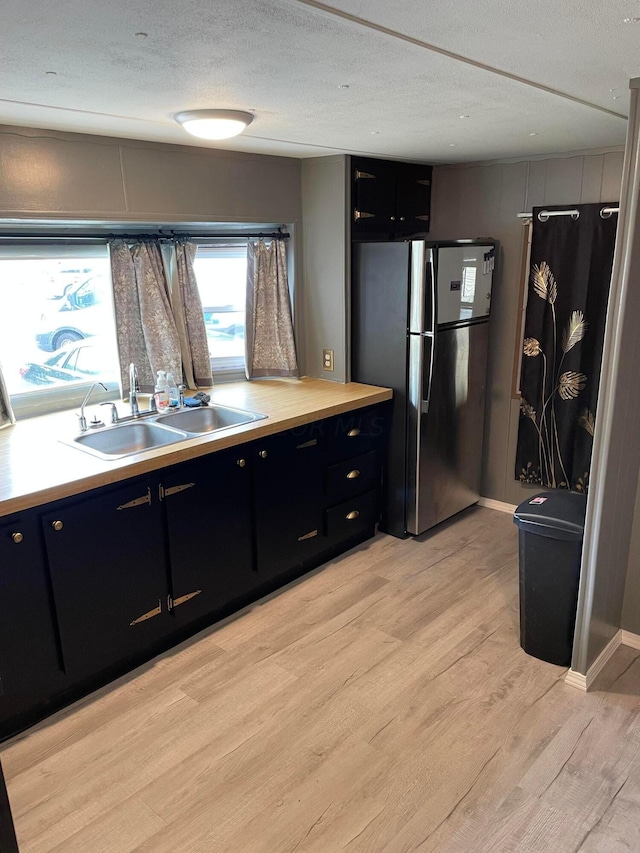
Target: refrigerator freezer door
(445, 443)
(464, 275)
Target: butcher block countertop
(36, 468)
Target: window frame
(225, 369)
(41, 401)
(68, 235)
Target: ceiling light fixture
(214, 124)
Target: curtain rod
(171, 235)
(543, 215)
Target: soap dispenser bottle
(161, 394)
(172, 391)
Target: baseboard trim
(489, 503)
(584, 682)
(631, 640)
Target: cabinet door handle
(353, 474)
(402, 219)
(392, 218)
(263, 454)
(57, 525)
(137, 501)
(172, 603)
(149, 614)
(17, 538)
(309, 535)
(241, 462)
(353, 514)
(173, 490)
(353, 432)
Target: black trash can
(551, 532)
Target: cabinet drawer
(353, 518)
(352, 477)
(355, 433)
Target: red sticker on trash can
(538, 500)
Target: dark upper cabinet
(106, 553)
(389, 200)
(30, 667)
(207, 505)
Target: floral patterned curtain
(269, 341)
(187, 311)
(571, 261)
(6, 412)
(146, 330)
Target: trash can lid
(557, 514)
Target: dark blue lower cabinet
(288, 500)
(30, 660)
(106, 555)
(207, 506)
(8, 843)
(94, 585)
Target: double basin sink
(148, 432)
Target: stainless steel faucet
(134, 388)
(83, 420)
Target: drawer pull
(57, 525)
(263, 454)
(309, 535)
(351, 515)
(353, 432)
(353, 474)
(17, 538)
(311, 443)
(242, 462)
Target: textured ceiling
(432, 81)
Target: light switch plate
(327, 359)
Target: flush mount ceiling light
(214, 124)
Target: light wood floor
(380, 704)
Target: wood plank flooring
(382, 703)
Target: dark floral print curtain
(571, 261)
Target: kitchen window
(221, 273)
(58, 332)
(58, 329)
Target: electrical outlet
(327, 359)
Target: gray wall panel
(611, 176)
(592, 178)
(49, 175)
(68, 175)
(631, 604)
(486, 198)
(564, 180)
(326, 250)
(210, 185)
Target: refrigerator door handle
(421, 361)
(427, 371)
(422, 293)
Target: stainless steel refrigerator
(420, 325)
